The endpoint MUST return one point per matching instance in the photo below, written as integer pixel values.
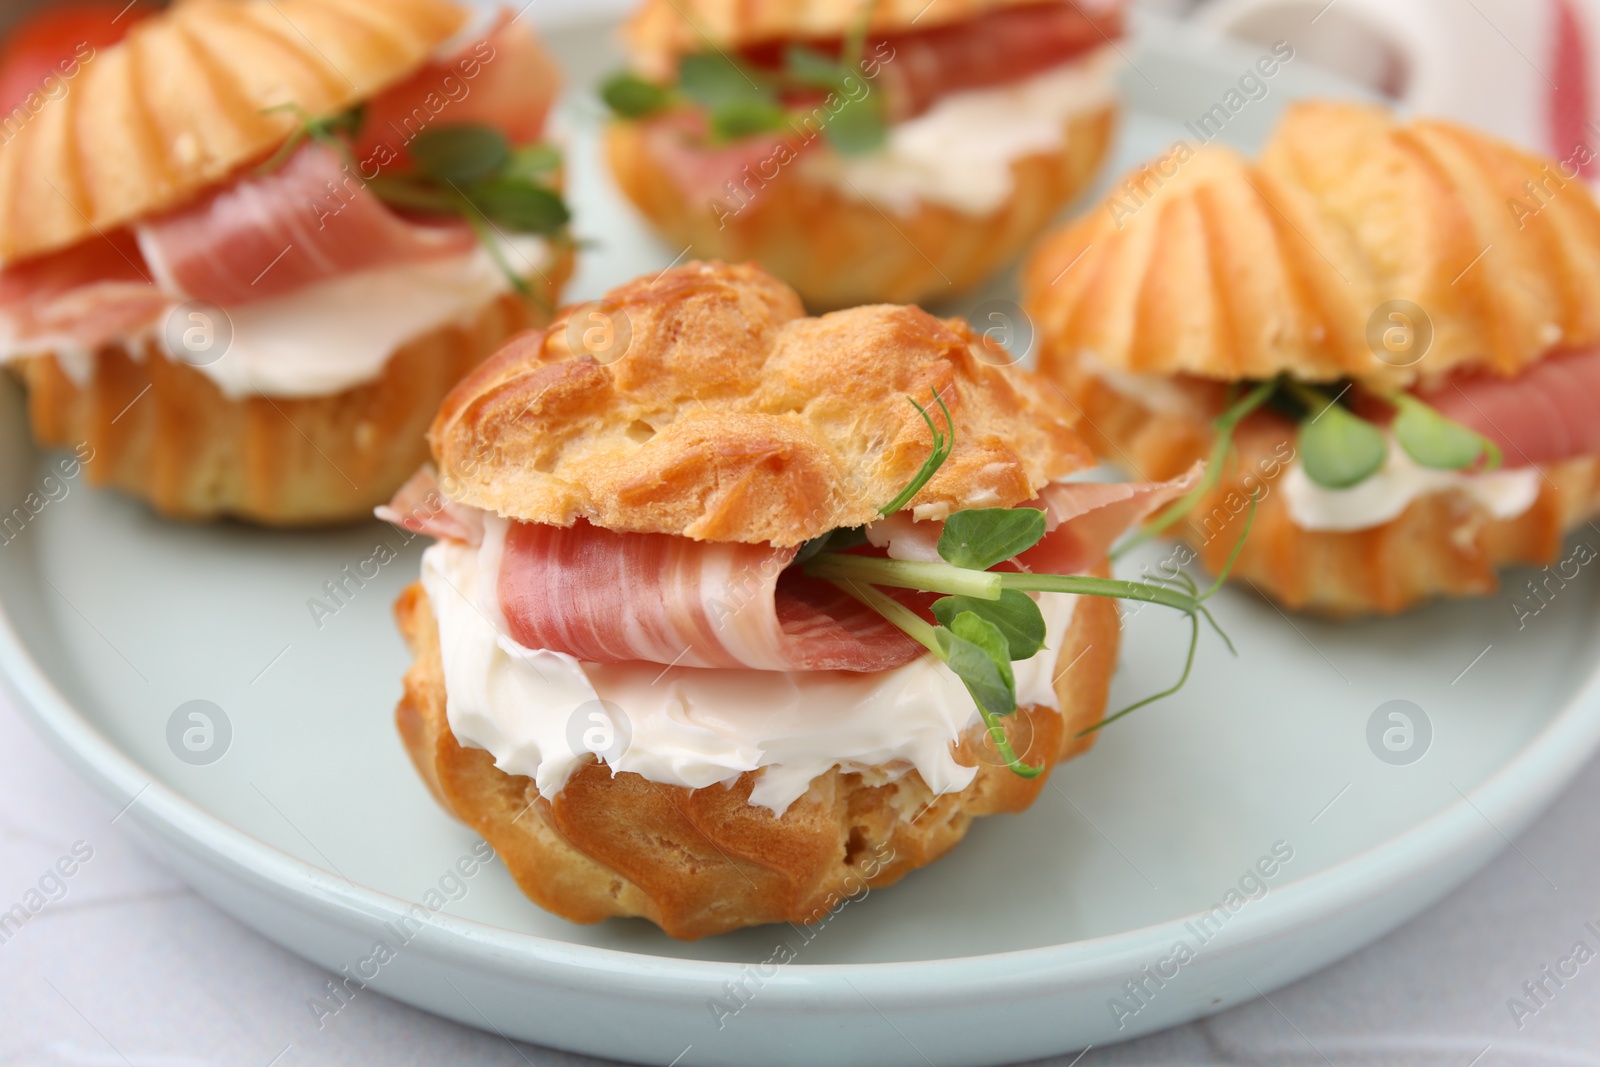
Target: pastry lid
(177, 106)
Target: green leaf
(812, 69)
(713, 80)
(520, 207)
(462, 154)
(738, 119)
(980, 538)
(631, 97)
(975, 650)
(1014, 615)
(1338, 448)
(1433, 440)
(859, 127)
(533, 162)
(944, 442)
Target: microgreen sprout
(464, 169)
(986, 620)
(740, 100)
(943, 442)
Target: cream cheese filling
(1505, 494)
(326, 337)
(539, 712)
(958, 154)
(1383, 497)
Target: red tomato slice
(56, 40)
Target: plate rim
(1514, 792)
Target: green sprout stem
(907, 574)
(918, 629)
(943, 441)
(1223, 427)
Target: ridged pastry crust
(704, 861)
(840, 251)
(1444, 544)
(661, 31)
(730, 416)
(1216, 267)
(177, 106)
(162, 431)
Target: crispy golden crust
(729, 416)
(839, 251)
(177, 107)
(1442, 545)
(704, 861)
(1216, 267)
(662, 31)
(161, 430)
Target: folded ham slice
(505, 80)
(79, 299)
(609, 597)
(421, 507)
(306, 222)
(1548, 413)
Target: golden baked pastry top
(704, 403)
(177, 106)
(1206, 264)
(662, 31)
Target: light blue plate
(313, 828)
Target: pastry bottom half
(163, 431)
(1443, 545)
(704, 861)
(840, 251)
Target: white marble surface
(131, 968)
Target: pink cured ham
(305, 222)
(82, 298)
(997, 48)
(608, 597)
(1548, 413)
(421, 507)
(730, 173)
(505, 80)
(1082, 521)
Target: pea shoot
(467, 170)
(740, 100)
(986, 620)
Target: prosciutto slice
(422, 508)
(1548, 413)
(505, 80)
(609, 597)
(80, 299)
(1082, 521)
(306, 222)
(998, 48)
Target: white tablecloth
(131, 968)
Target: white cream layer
(1505, 494)
(958, 153)
(332, 335)
(697, 727)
